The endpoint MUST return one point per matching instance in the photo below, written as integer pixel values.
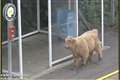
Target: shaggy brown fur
(82, 47)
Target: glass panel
(35, 48)
(44, 15)
(28, 18)
(89, 15)
(63, 25)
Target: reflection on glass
(63, 25)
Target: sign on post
(9, 12)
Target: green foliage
(92, 11)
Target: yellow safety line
(108, 75)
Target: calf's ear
(72, 40)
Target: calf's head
(69, 42)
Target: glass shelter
(40, 40)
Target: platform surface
(92, 70)
(35, 58)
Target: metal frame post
(9, 58)
(20, 39)
(102, 21)
(77, 16)
(38, 15)
(50, 33)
